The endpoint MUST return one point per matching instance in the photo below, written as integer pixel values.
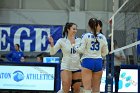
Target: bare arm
(104, 50)
(81, 47)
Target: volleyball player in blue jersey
(93, 46)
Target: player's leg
(76, 81)
(86, 79)
(66, 77)
(97, 75)
(87, 66)
(96, 80)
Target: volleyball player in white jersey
(94, 46)
(70, 65)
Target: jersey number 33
(95, 46)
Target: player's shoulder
(77, 38)
(86, 34)
(100, 35)
(61, 39)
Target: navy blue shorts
(94, 64)
(74, 71)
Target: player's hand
(51, 40)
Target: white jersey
(90, 49)
(71, 59)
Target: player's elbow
(104, 53)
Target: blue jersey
(15, 56)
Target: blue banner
(29, 37)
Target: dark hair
(43, 54)
(101, 24)
(17, 45)
(67, 26)
(41, 57)
(93, 23)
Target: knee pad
(60, 91)
(86, 91)
(81, 90)
(75, 81)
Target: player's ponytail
(93, 23)
(65, 32)
(101, 25)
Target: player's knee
(65, 83)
